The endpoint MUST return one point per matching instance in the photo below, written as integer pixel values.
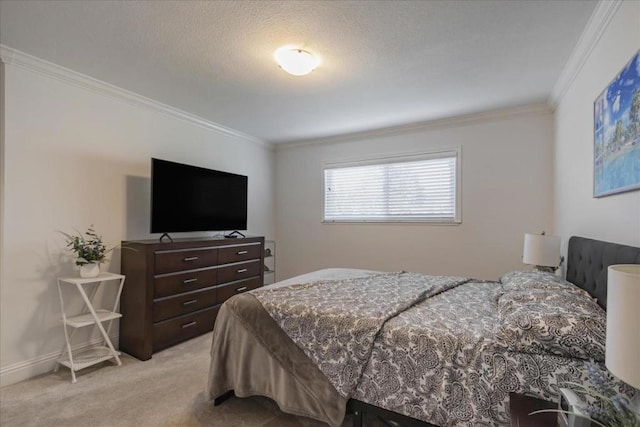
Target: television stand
(232, 235)
(167, 236)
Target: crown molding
(467, 119)
(598, 23)
(25, 61)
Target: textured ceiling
(384, 63)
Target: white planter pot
(89, 270)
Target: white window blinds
(415, 188)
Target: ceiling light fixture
(296, 61)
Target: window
(416, 188)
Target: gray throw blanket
(335, 322)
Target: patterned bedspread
(425, 362)
(335, 322)
(440, 349)
(438, 362)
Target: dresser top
(214, 239)
(190, 242)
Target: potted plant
(90, 251)
(608, 407)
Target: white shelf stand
(269, 262)
(90, 316)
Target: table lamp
(543, 251)
(623, 325)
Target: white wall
(75, 157)
(613, 218)
(2, 168)
(507, 180)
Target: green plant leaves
(89, 249)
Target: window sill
(387, 222)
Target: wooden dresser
(174, 289)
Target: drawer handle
(242, 270)
(244, 288)
(242, 252)
(187, 281)
(193, 301)
(188, 325)
(190, 258)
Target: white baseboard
(43, 364)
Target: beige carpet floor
(168, 390)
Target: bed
(417, 349)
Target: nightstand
(89, 317)
(520, 406)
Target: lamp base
(544, 269)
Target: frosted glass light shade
(296, 61)
(541, 249)
(623, 323)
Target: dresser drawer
(183, 328)
(172, 261)
(238, 253)
(184, 282)
(227, 291)
(239, 271)
(178, 305)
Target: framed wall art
(616, 152)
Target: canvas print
(617, 133)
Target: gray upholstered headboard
(588, 260)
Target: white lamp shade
(541, 249)
(623, 323)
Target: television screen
(190, 198)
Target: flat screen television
(191, 198)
